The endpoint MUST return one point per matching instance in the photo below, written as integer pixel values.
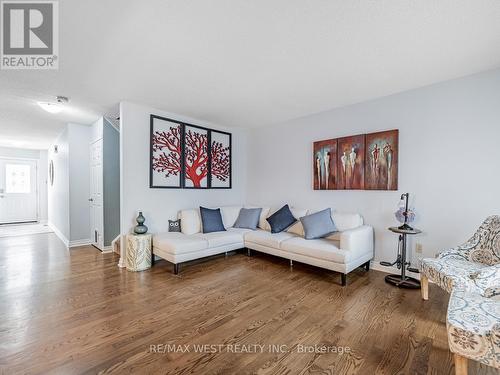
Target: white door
(96, 187)
(18, 191)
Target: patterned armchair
(473, 325)
(453, 268)
(471, 273)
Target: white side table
(138, 252)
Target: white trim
(107, 249)
(59, 234)
(374, 265)
(77, 243)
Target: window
(17, 179)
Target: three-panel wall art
(359, 162)
(186, 156)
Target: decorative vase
(140, 228)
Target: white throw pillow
(345, 221)
(229, 215)
(297, 228)
(190, 221)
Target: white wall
(159, 205)
(43, 176)
(68, 206)
(58, 193)
(41, 157)
(449, 157)
(79, 181)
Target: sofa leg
(225, 254)
(367, 266)
(343, 277)
(424, 285)
(248, 252)
(460, 365)
(291, 263)
(152, 260)
(176, 269)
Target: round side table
(402, 281)
(139, 252)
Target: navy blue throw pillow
(281, 219)
(211, 220)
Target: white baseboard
(375, 265)
(107, 249)
(44, 222)
(59, 234)
(84, 242)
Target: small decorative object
(174, 225)
(351, 162)
(140, 228)
(405, 215)
(381, 161)
(325, 165)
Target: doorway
(18, 191)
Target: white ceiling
(245, 63)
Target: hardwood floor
(74, 311)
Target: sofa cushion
(319, 248)
(179, 243)
(248, 218)
(191, 222)
(266, 238)
(297, 228)
(281, 219)
(346, 221)
(318, 224)
(216, 239)
(229, 215)
(241, 231)
(211, 220)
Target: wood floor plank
(75, 312)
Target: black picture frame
(151, 153)
(230, 145)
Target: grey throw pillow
(174, 225)
(211, 220)
(318, 225)
(248, 218)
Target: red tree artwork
(220, 161)
(167, 146)
(196, 157)
(168, 153)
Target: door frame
(37, 174)
(97, 245)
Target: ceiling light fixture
(54, 107)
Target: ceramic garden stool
(139, 252)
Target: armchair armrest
(358, 240)
(488, 277)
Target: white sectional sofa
(345, 250)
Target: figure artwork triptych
(360, 162)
